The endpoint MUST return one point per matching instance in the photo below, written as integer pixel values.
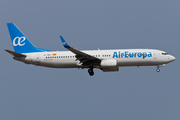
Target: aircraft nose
(171, 58)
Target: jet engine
(109, 63)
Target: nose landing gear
(157, 70)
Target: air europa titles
(128, 54)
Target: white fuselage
(124, 57)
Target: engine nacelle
(109, 63)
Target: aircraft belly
(55, 63)
(134, 62)
(67, 64)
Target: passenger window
(164, 53)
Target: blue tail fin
(20, 43)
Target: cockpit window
(165, 54)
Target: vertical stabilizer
(20, 42)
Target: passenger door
(155, 55)
(38, 58)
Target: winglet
(64, 42)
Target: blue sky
(33, 92)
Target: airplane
(105, 60)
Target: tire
(157, 70)
(91, 72)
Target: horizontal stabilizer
(15, 53)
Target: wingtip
(64, 42)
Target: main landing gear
(157, 70)
(90, 71)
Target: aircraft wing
(15, 53)
(84, 58)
